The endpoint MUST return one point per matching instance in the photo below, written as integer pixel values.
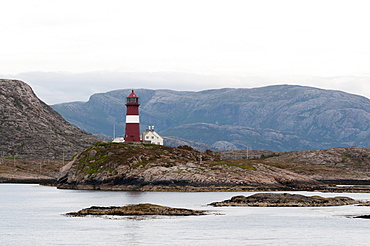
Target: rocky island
(367, 216)
(284, 200)
(138, 209)
(146, 167)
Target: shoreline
(40, 181)
(339, 186)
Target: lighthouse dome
(132, 98)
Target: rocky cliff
(30, 128)
(279, 118)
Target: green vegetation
(94, 164)
(240, 165)
(106, 156)
(104, 144)
(138, 164)
(152, 145)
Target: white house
(150, 136)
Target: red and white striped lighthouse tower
(132, 132)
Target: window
(132, 100)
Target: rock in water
(30, 128)
(139, 209)
(362, 217)
(284, 200)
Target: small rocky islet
(284, 200)
(255, 200)
(136, 210)
(362, 217)
(290, 200)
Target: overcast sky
(67, 49)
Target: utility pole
(3, 157)
(247, 152)
(114, 131)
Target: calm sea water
(33, 215)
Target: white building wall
(150, 136)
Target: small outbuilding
(119, 140)
(151, 136)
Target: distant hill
(337, 164)
(278, 118)
(30, 128)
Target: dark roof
(133, 94)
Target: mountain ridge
(314, 118)
(30, 128)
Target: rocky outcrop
(284, 200)
(248, 154)
(29, 170)
(367, 216)
(337, 165)
(346, 159)
(30, 128)
(132, 166)
(139, 209)
(278, 118)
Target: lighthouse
(132, 132)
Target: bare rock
(362, 217)
(139, 209)
(30, 128)
(284, 200)
(136, 166)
